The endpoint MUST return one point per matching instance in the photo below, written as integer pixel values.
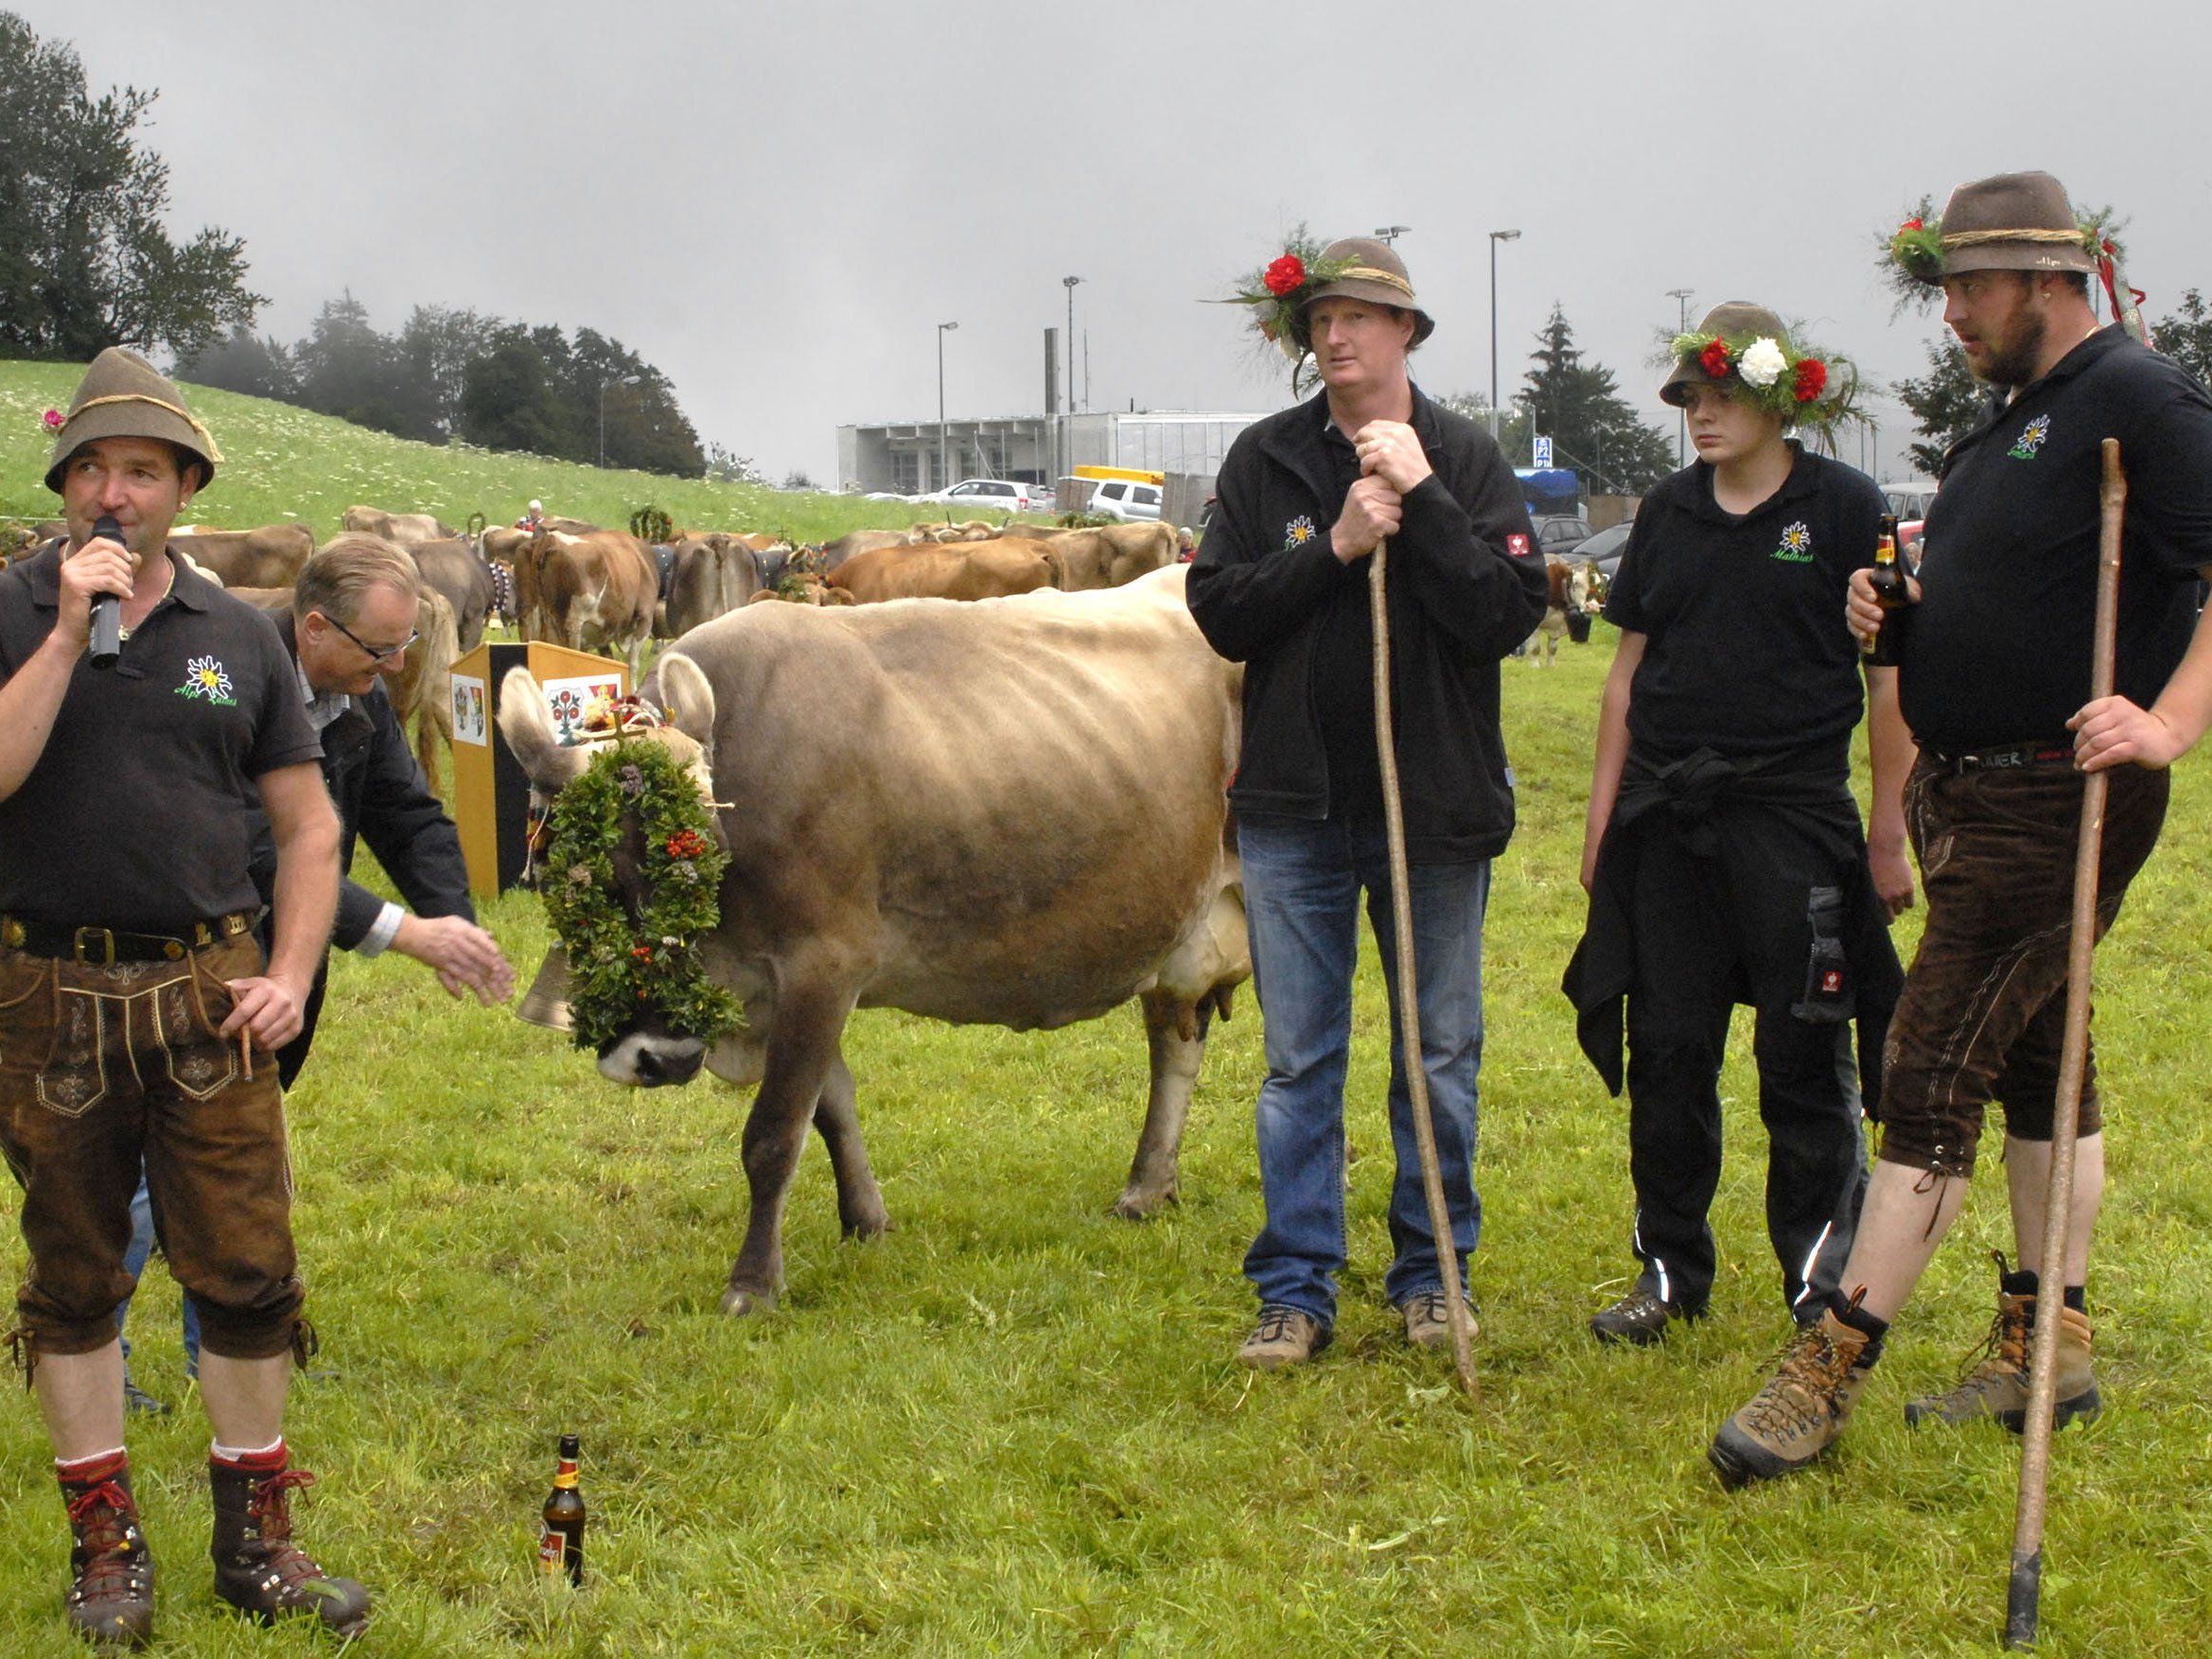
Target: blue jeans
(1302, 887)
(134, 1260)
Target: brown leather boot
(1800, 1411)
(1997, 1386)
(259, 1569)
(111, 1600)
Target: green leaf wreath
(621, 963)
(1275, 292)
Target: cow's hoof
(1135, 1204)
(871, 1223)
(737, 1304)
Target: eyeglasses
(390, 654)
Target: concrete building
(914, 456)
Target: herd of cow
(605, 592)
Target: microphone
(107, 610)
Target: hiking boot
(111, 1600)
(1283, 1337)
(1639, 1318)
(259, 1569)
(1997, 1384)
(1428, 1316)
(1800, 1411)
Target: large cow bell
(546, 1003)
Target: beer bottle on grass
(561, 1546)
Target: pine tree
(1593, 429)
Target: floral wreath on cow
(619, 962)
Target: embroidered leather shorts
(104, 1067)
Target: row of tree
(85, 263)
(460, 374)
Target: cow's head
(651, 1051)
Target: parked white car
(1126, 499)
(1002, 493)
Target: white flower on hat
(1762, 364)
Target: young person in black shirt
(1723, 850)
(1995, 682)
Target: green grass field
(1015, 1424)
(283, 463)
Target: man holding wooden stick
(1995, 682)
(1281, 585)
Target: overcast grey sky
(777, 204)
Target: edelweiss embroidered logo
(1298, 533)
(205, 677)
(1797, 545)
(2031, 437)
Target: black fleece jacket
(1466, 585)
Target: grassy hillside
(1014, 1425)
(282, 462)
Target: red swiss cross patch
(1832, 981)
(1518, 545)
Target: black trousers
(1710, 933)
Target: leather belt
(2011, 757)
(103, 947)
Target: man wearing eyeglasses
(353, 616)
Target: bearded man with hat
(1723, 851)
(1994, 682)
(1281, 585)
(134, 998)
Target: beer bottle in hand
(562, 1544)
(1890, 593)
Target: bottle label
(549, 1551)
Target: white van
(1126, 499)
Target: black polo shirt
(139, 815)
(1746, 650)
(1998, 649)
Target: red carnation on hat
(1912, 224)
(1812, 378)
(1714, 359)
(1285, 275)
(53, 419)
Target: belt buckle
(76, 947)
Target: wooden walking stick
(2026, 1585)
(1409, 999)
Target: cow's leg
(860, 1201)
(802, 1049)
(1176, 1032)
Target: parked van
(1126, 499)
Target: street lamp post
(1496, 238)
(1390, 233)
(1068, 421)
(945, 471)
(1682, 299)
(603, 384)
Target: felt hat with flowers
(2010, 221)
(1749, 349)
(1282, 291)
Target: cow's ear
(688, 699)
(527, 725)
